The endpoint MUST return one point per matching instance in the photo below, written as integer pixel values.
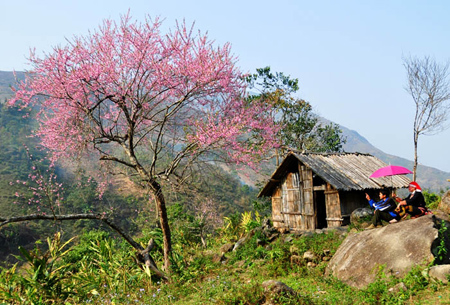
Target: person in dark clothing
(413, 204)
(384, 209)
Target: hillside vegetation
(98, 269)
(124, 201)
(85, 262)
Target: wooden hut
(319, 190)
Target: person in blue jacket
(384, 209)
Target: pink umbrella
(390, 170)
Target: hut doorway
(319, 199)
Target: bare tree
(429, 86)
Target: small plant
(47, 280)
(441, 250)
(431, 199)
(248, 223)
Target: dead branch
(143, 254)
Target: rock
(440, 272)
(309, 256)
(444, 205)
(398, 246)
(311, 265)
(218, 258)
(361, 215)
(240, 242)
(308, 234)
(283, 230)
(227, 248)
(266, 224)
(353, 230)
(296, 260)
(289, 239)
(274, 289)
(273, 236)
(398, 288)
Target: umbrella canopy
(390, 170)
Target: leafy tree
(301, 127)
(429, 86)
(150, 105)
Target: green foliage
(100, 270)
(263, 206)
(415, 279)
(46, 281)
(432, 199)
(440, 255)
(301, 127)
(248, 223)
(231, 231)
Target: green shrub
(432, 200)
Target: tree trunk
(162, 211)
(416, 138)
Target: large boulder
(440, 272)
(444, 205)
(398, 246)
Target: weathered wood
(309, 211)
(277, 201)
(319, 187)
(333, 207)
(345, 171)
(343, 179)
(297, 213)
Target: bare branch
(429, 86)
(147, 259)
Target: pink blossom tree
(147, 103)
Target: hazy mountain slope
(6, 80)
(428, 177)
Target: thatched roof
(344, 171)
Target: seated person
(384, 209)
(413, 204)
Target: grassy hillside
(100, 270)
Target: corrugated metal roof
(344, 171)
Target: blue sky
(347, 55)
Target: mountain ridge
(429, 178)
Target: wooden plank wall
(277, 217)
(291, 206)
(332, 201)
(306, 190)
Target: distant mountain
(6, 81)
(428, 177)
